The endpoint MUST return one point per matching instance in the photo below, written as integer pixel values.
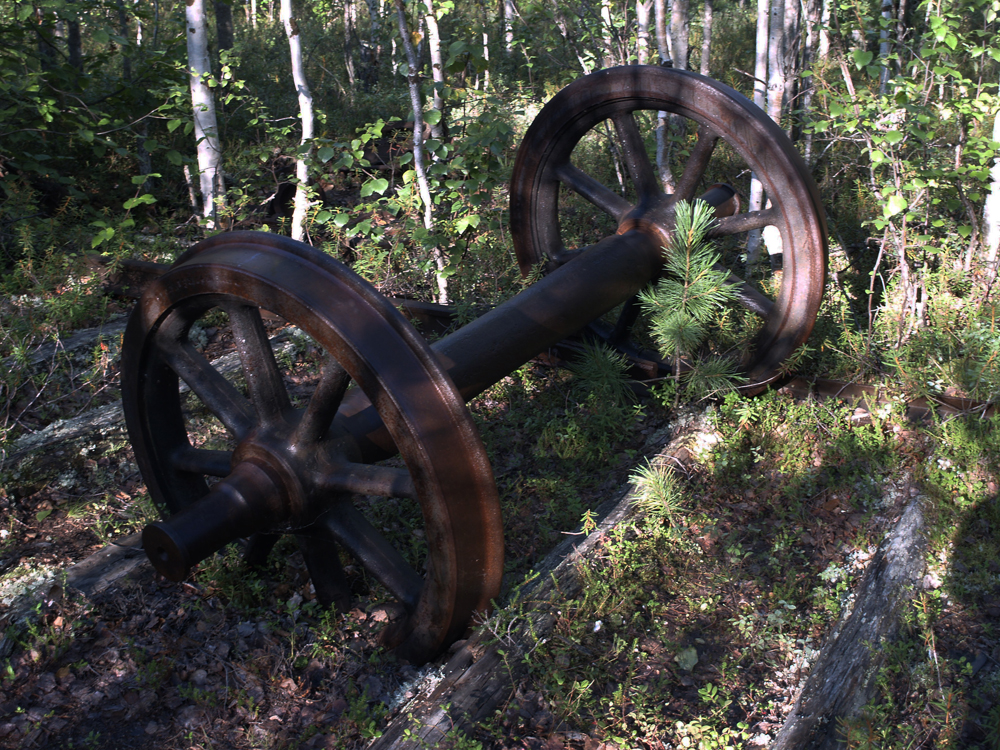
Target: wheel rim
(544, 166)
(302, 452)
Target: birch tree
(884, 46)
(437, 68)
(420, 173)
(508, 25)
(642, 8)
(305, 114)
(991, 211)
(662, 118)
(680, 30)
(756, 200)
(706, 38)
(206, 128)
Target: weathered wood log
(482, 674)
(844, 677)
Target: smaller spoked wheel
(593, 146)
(287, 432)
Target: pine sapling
(684, 302)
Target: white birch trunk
(607, 54)
(706, 38)
(508, 25)
(440, 261)
(756, 201)
(486, 57)
(775, 60)
(823, 48)
(642, 8)
(437, 67)
(884, 47)
(991, 211)
(306, 115)
(662, 118)
(790, 66)
(680, 28)
(206, 128)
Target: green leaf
(432, 116)
(175, 158)
(340, 219)
(862, 58)
(894, 205)
(323, 216)
(965, 231)
(139, 200)
(465, 222)
(893, 137)
(103, 236)
(42, 515)
(325, 154)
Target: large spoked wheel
(555, 186)
(291, 445)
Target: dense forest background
(893, 106)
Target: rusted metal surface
(297, 470)
(544, 168)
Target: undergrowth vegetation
(702, 614)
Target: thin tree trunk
(813, 9)
(775, 60)
(486, 57)
(680, 30)
(508, 25)
(206, 128)
(253, 13)
(790, 57)
(663, 145)
(418, 148)
(642, 8)
(991, 211)
(349, 47)
(607, 53)
(884, 46)
(306, 115)
(224, 24)
(662, 38)
(123, 30)
(756, 201)
(437, 67)
(374, 42)
(706, 39)
(823, 48)
(74, 46)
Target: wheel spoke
(259, 546)
(744, 222)
(323, 562)
(365, 479)
(264, 381)
(323, 404)
(348, 526)
(750, 298)
(697, 163)
(634, 153)
(208, 462)
(593, 191)
(208, 384)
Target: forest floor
(700, 617)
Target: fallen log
(483, 672)
(843, 679)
